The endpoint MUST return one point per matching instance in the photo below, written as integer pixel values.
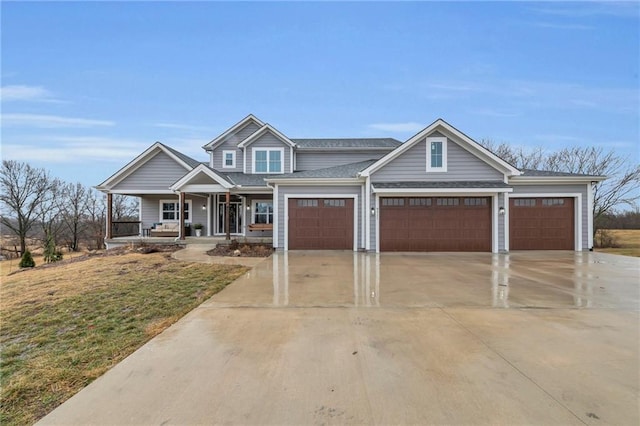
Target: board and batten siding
(320, 191)
(150, 209)
(231, 144)
(321, 160)
(411, 165)
(268, 141)
(158, 173)
(541, 190)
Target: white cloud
(25, 93)
(398, 127)
(75, 149)
(50, 121)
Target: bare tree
(48, 212)
(124, 207)
(74, 205)
(96, 214)
(621, 187)
(22, 190)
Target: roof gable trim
(185, 180)
(260, 132)
(236, 127)
(138, 162)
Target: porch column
(109, 213)
(182, 237)
(209, 215)
(227, 223)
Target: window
(334, 203)
(524, 202)
(475, 201)
(437, 154)
(447, 201)
(228, 159)
(393, 201)
(419, 201)
(307, 203)
(268, 160)
(552, 202)
(262, 211)
(170, 211)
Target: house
(438, 191)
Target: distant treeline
(619, 220)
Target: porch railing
(125, 228)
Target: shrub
(27, 260)
(605, 239)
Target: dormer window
(228, 159)
(436, 154)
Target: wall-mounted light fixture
(248, 208)
(204, 207)
(373, 211)
(501, 211)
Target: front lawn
(64, 326)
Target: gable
(157, 173)
(411, 164)
(269, 140)
(236, 133)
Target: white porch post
(209, 215)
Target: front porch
(140, 240)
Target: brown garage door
(435, 224)
(541, 224)
(321, 224)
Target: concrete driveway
(344, 338)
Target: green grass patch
(61, 333)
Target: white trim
(177, 203)
(233, 158)
(363, 219)
(320, 197)
(407, 192)
(183, 181)
(367, 225)
(590, 216)
(494, 225)
(276, 217)
(238, 126)
(291, 165)
(244, 161)
(443, 141)
(140, 215)
(138, 162)
(577, 210)
(261, 131)
(209, 215)
(268, 172)
(472, 146)
(506, 221)
(142, 191)
(377, 224)
(542, 180)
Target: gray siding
(412, 164)
(231, 144)
(268, 141)
(160, 172)
(319, 191)
(556, 189)
(150, 209)
(321, 160)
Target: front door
(235, 215)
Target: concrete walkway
(198, 253)
(310, 338)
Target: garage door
(321, 224)
(541, 224)
(435, 224)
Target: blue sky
(88, 86)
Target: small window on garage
(447, 201)
(475, 201)
(334, 203)
(307, 203)
(419, 201)
(393, 201)
(553, 202)
(524, 202)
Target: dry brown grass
(65, 325)
(627, 240)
